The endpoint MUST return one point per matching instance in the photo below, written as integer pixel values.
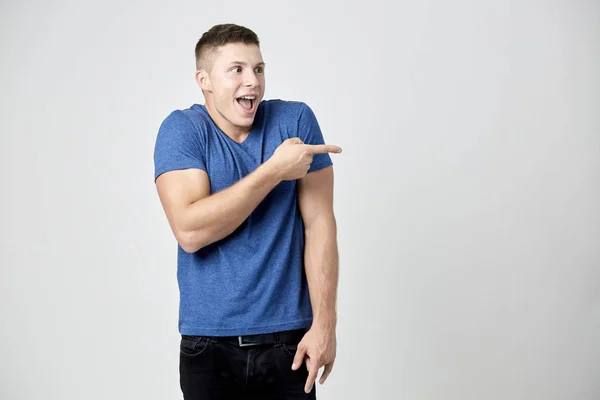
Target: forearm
(321, 265)
(214, 217)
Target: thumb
(295, 140)
(299, 357)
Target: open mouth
(247, 102)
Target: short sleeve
(310, 133)
(178, 145)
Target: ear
(203, 80)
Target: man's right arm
(197, 218)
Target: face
(234, 86)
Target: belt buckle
(242, 344)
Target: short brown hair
(220, 35)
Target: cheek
(229, 83)
(224, 86)
(228, 93)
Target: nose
(250, 79)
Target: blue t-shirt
(252, 281)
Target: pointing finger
(323, 148)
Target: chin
(245, 122)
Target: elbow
(191, 241)
(190, 248)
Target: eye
(259, 70)
(237, 69)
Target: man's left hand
(319, 347)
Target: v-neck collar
(253, 131)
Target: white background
(466, 197)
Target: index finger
(323, 148)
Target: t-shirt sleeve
(310, 133)
(178, 145)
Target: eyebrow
(260, 64)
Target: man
(247, 188)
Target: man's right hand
(292, 159)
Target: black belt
(287, 337)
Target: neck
(236, 133)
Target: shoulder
(190, 117)
(190, 123)
(289, 109)
(183, 128)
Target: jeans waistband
(288, 337)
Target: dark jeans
(210, 370)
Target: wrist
(327, 322)
(271, 172)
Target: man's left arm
(315, 197)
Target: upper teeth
(248, 97)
